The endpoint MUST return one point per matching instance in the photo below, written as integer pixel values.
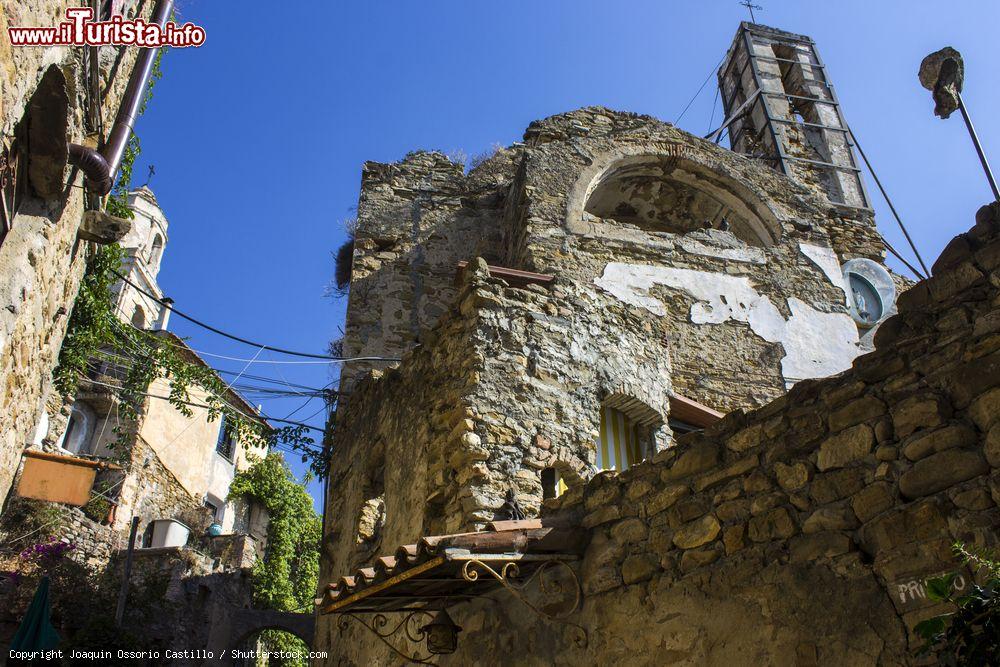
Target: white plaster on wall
(816, 344)
(826, 259)
(741, 253)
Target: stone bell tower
(782, 108)
(144, 246)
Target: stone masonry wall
(510, 382)
(775, 256)
(758, 262)
(416, 220)
(798, 533)
(41, 258)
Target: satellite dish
(871, 292)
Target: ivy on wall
(93, 328)
(285, 579)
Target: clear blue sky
(258, 136)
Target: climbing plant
(95, 331)
(285, 579)
(117, 202)
(970, 634)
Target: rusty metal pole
(979, 148)
(123, 593)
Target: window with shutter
(618, 445)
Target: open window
(155, 252)
(216, 507)
(225, 446)
(79, 434)
(618, 445)
(139, 318)
(627, 432)
(687, 416)
(554, 484)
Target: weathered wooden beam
(693, 412)
(514, 277)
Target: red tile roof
(431, 569)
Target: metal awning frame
(514, 572)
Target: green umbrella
(36, 632)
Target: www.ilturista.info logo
(80, 30)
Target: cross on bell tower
(750, 6)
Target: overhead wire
(117, 358)
(208, 407)
(701, 88)
(715, 103)
(895, 214)
(331, 360)
(169, 306)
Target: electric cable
(715, 103)
(892, 208)
(111, 357)
(208, 407)
(703, 84)
(168, 305)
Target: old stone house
(549, 462)
(175, 466)
(57, 104)
(172, 473)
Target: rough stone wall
(739, 309)
(798, 533)
(720, 240)
(510, 382)
(679, 266)
(416, 220)
(381, 443)
(194, 591)
(764, 286)
(41, 259)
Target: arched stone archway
(674, 188)
(235, 625)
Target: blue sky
(258, 137)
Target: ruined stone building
(575, 315)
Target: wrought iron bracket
(409, 629)
(509, 576)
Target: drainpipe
(100, 167)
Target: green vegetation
(94, 329)
(970, 635)
(286, 578)
(98, 507)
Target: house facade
(173, 465)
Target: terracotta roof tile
(432, 552)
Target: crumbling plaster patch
(826, 259)
(720, 298)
